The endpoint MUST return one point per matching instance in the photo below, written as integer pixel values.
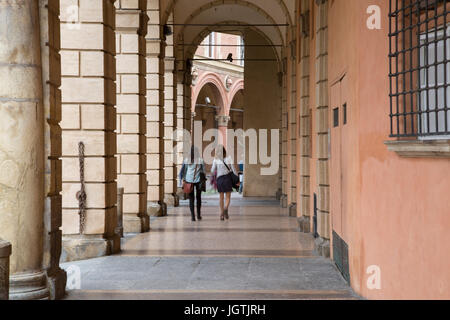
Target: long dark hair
(194, 154)
(221, 152)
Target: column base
(163, 208)
(304, 224)
(133, 223)
(81, 247)
(181, 195)
(278, 195)
(322, 247)
(293, 210)
(154, 209)
(172, 200)
(283, 201)
(56, 284)
(29, 286)
(119, 231)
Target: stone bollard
(119, 228)
(5, 252)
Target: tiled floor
(257, 254)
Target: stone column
(170, 111)
(51, 80)
(183, 110)
(292, 127)
(131, 28)
(119, 228)
(89, 117)
(22, 149)
(155, 113)
(5, 252)
(222, 124)
(284, 137)
(305, 121)
(180, 138)
(323, 187)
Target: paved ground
(257, 254)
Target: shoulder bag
(188, 187)
(234, 178)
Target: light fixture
(230, 57)
(208, 100)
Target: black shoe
(199, 217)
(193, 218)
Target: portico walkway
(257, 254)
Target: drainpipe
(5, 252)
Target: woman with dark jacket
(191, 172)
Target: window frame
(425, 37)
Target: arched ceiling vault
(190, 50)
(247, 12)
(283, 11)
(222, 10)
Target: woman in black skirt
(223, 166)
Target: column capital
(223, 120)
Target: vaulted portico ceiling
(270, 12)
(281, 10)
(190, 50)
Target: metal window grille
(419, 68)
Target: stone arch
(242, 3)
(238, 86)
(205, 32)
(216, 81)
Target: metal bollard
(119, 228)
(5, 252)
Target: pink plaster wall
(398, 209)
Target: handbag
(188, 187)
(234, 178)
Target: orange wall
(398, 208)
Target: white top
(219, 166)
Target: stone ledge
(420, 148)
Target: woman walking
(191, 174)
(223, 167)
